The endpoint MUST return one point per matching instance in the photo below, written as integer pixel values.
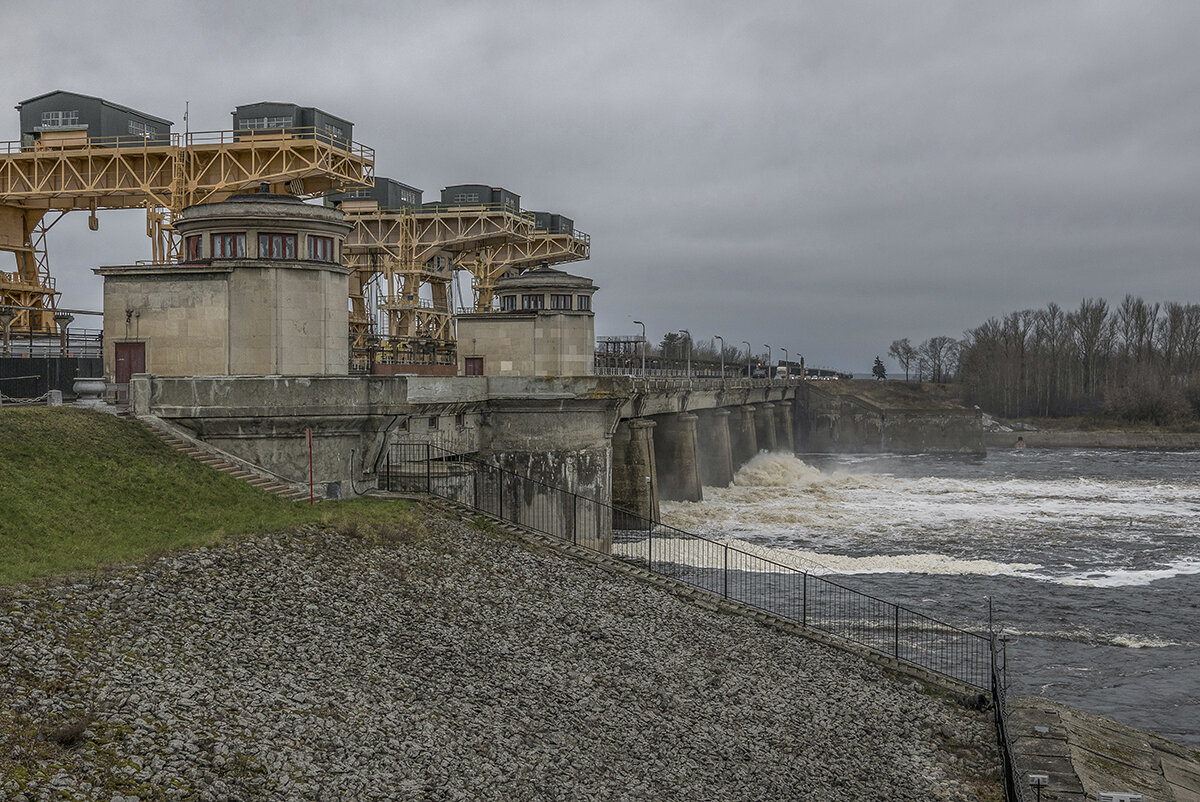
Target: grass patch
(79, 489)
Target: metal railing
(81, 343)
(1014, 789)
(736, 574)
(193, 139)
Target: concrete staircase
(219, 463)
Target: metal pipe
(748, 358)
(770, 367)
(722, 339)
(787, 367)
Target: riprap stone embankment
(443, 662)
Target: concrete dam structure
(616, 439)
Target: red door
(131, 359)
(473, 366)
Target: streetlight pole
(689, 352)
(643, 325)
(63, 319)
(787, 366)
(770, 367)
(748, 358)
(722, 339)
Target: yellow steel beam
(74, 173)
(488, 265)
(410, 248)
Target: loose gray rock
(315, 665)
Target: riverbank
(440, 661)
(1061, 438)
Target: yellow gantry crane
(542, 247)
(409, 256)
(43, 179)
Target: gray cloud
(825, 177)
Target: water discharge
(1091, 557)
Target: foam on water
(1126, 640)
(1101, 531)
(1130, 578)
(745, 556)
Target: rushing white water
(1081, 530)
(1091, 558)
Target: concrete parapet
(677, 458)
(743, 435)
(716, 459)
(783, 427)
(764, 424)
(634, 486)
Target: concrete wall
(544, 343)
(833, 423)
(241, 318)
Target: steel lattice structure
(402, 252)
(75, 172)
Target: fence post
(650, 544)
(896, 631)
(804, 599)
(726, 572)
(500, 491)
(575, 519)
(389, 469)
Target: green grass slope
(79, 489)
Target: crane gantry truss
(413, 253)
(74, 172)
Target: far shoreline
(1133, 441)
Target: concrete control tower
(260, 289)
(545, 327)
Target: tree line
(1136, 361)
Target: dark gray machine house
(476, 194)
(288, 118)
(59, 113)
(387, 192)
(553, 223)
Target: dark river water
(1089, 558)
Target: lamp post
(63, 319)
(689, 352)
(749, 356)
(7, 315)
(643, 325)
(722, 339)
(770, 367)
(787, 367)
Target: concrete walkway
(1084, 754)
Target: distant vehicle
(758, 373)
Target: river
(1090, 558)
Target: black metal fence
(734, 573)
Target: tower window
(276, 246)
(320, 248)
(229, 246)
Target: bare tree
(903, 352)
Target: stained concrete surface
(1083, 754)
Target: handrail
(175, 139)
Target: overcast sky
(823, 177)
